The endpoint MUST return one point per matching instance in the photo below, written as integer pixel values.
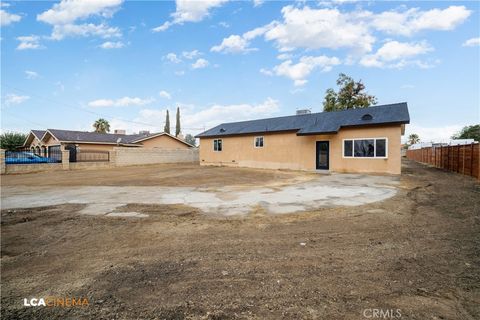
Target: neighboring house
(42, 141)
(355, 140)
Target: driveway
(291, 195)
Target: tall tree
(350, 95)
(190, 139)
(469, 132)
(177, 125)
(12, 140)
(101, 126)
(413, 138)
(167, 123)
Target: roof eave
(243, 134)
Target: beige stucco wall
(165, 142)
(289, 151)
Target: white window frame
(375, 148)
(217, 145)
(255, 142)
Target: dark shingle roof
(38, 133)
(315, 123)
(84, 136)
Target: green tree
(177, 125)
(101, 126)
(351, 95)
(167, 123)
(468, 132)
(413, 138)
(190, 139)
(12, 140)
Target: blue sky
(65, 64)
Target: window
(365, 148)
(258, 142)
(217, 145)
(380, 147)
(347, 148)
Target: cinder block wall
(139, 156)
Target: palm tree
(101, 126)
(413, 138)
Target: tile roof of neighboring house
(316, 123)
(38, 133)
(102, 138)
(92, 137)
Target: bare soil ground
(418, 252)
(185, 175)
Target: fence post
(2, 161)
(65, 158)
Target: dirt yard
(417, 252)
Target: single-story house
(355, 140)
(42, 141)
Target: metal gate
(73, 152)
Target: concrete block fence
(118, 157)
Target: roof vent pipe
(303, 111)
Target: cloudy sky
(65, 64)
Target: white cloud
(29, 42)
(300, 71)
(191, 54)
(473, 42)
(284, 56)
(233, 44)
(241, 44)
(8, 18)
(12, 98)
(172, 57)
(258, 3)
(68, 11)
(223, 24)
(395, 54)
(122, 102)
(112, 45)
(320, 28)
(195, 119)
(308, 28)
(165, 94)
(62, 16)
(84, 30)
(414, 20)
(200, 64)
(31, 74)
(190, 11)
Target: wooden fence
(463, 159)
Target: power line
(87, 111)
(23, 119)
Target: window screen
(348, 148)
(217, 145)
(258, 142)
(364, 148)
(380, 147)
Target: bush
(10, 141)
